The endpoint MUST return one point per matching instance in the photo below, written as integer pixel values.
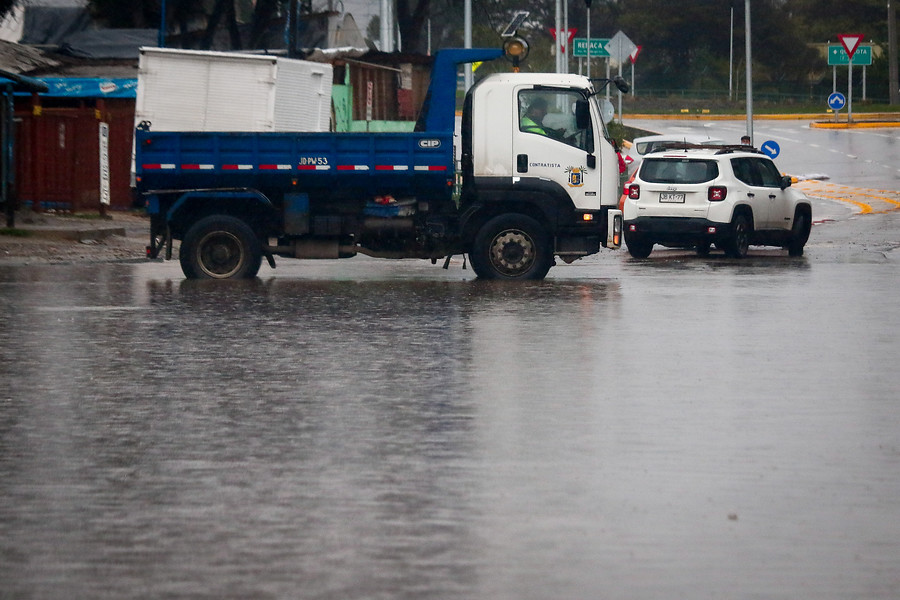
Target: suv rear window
(684, 170)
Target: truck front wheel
(220, 247)
(512, 246)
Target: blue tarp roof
(84, 87)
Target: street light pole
(162, 25)
(731, 57)
(566, 40)
(893, 82)
(558, 25)
(588, 5)
(747, 47)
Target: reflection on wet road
(626, 429)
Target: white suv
(731, 196)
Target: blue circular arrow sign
(836, 101)
(770, 149)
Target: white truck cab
(540, 178)
(536, 125)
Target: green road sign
(837, 56)
(598, 47)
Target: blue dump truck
(538, 179)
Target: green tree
(6, 6)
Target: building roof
(17, 58)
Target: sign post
(634, 55)
(620, 49)
(104, 168)
(836, 102)
(850, 41)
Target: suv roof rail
(738, 148)
(720, 148)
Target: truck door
(548, 143)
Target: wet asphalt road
(677, 427)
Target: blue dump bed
(394, 163)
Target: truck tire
(511, 246)
(220, 247)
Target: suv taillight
(717, 193)
(634, 191)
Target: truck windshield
(551, 113)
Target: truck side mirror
(621, 84)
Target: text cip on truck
(529, 191)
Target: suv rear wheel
(638, 246)
(739, 242)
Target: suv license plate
(671, 197)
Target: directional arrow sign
(836, 101)
(850, 42)
(771, 149)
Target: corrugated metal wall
(397, 93)
(57, 155)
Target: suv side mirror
(786, 182)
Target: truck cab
(539, 141)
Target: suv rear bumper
(677, 230)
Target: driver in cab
(532, 120)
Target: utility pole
(387, 27)
(893, 82)
(468, 77)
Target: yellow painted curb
(854, 125)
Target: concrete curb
(77, 235)
(59, 227)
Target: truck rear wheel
(512, 246)
(220, 247)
